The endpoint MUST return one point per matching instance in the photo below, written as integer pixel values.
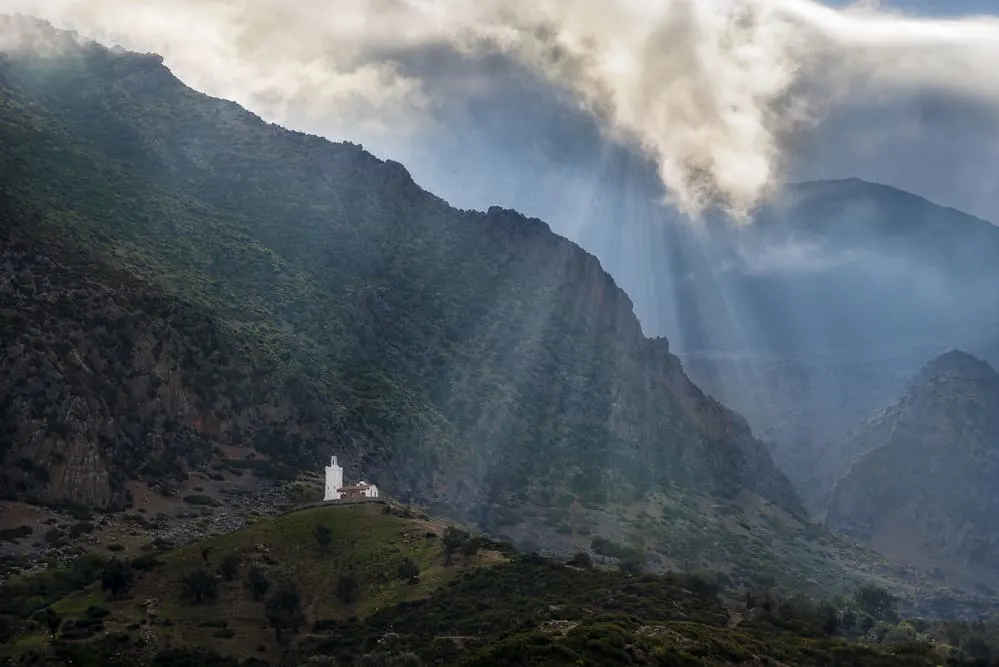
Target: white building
(334, 480)
(368, 490)
(359, 490)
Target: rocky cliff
(924, 485)
(197, 277)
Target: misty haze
(536, 332)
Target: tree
(471, 547)
(229, 567)
(200, 586)
(830, 618)
(117, 577)
(876, 602)
(53, 620)
(631, 565)
(453, 540)
(409, 570)
(284, 610)
(257, 583)
(324, 536)
(348, 588)
(581, 559)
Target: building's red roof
(355, 487)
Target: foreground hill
(923, 484)
(380, 584)
(180, 275)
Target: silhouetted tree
(409, 570)
(324, 536)
(471, 547)
(257, 583)
(229, 567)
(830, 618)
(878, 603)
(284, 610)
(53, 620)
(631, 565)
(581, 559)
(348, 588)
(453, 540)
(200, 586)
(117, 578)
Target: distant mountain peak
(957, 364)
(924, 488)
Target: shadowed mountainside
(829, 303)
(925, 470)
(470, 359)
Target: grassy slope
(493, 609)
(365, 538)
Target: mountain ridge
(342, 299)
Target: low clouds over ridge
(713, 91)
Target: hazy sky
(943, 7)
(583, 111)
(725, 97)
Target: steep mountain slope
(826, 306)
(468, 359)
(923, 485)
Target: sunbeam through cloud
(712, 90)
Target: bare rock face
(926, 488)
(103, 385)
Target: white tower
(334, 480)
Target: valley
(199, 308)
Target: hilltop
(922, 486)
(376, 583)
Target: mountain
(825, 307)
(803, 321)
(922, 486)
(196, 302)
(181, 278)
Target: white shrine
(337, 490)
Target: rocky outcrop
(105, 380)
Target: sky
(621, 123)
(943, 7)
(727, 99)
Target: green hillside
(311, 550)
(460, 358)
(483, 605)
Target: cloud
(714, 91)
